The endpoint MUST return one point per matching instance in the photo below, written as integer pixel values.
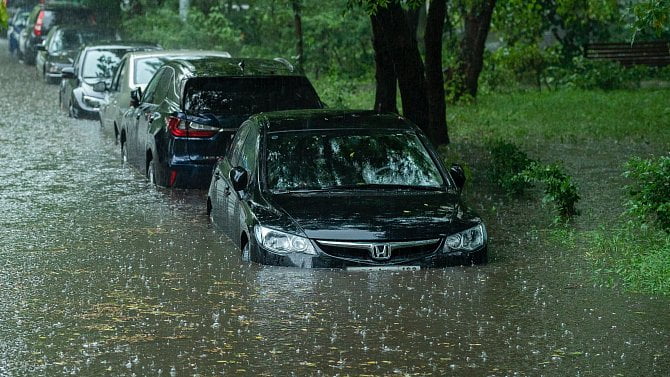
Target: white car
(135, 71)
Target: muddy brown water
(103, 275)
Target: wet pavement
(103, 275)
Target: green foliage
(639, 258)
(4, 17)
(514, 172)
(650, 190)
(507, 162)
(652, 15)
(558, 187)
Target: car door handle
(217, 176)
(226, 191)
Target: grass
(592, 133)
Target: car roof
(112, 45)
(57, 5)
(329, 119)
(218, 66)
(183, 54)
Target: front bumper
(437, 259)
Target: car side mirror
(100, 87)
(68, 73)
(458, 175)
(135, 97)
(239, 177)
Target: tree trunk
(437, 117)
(299, 43)
(407, 63)
(471, 56)
(385, 93)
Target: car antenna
(241, 65)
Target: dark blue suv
(177, 129)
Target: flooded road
(103, 275)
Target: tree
(297, 24)
(398, 62)
(652, 14)
(477, 22)
(4, 17)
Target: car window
(101, 63)
(338, 158)
(120, 72)
(145, 69)
(237, 143)
(249, 95)
(159, 86)
(249, 150)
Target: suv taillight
(182, 128)
(37, 30)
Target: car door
(110, 110)
(247, 159)
(136, 123)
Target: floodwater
(103, 275)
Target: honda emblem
(380, 252)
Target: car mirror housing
(100, 87)
(239, 178)
(67, 73)
(135, 97)
(458, 175)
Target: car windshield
(101, 63)
(331, 160)
(146, 67)
(249, 95)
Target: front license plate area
(384, 268)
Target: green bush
(514, 172)
(508, 161)
(650, 190)
(558, 187)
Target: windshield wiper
(383, 186)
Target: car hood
(381, 216)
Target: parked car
(135, 71)
(45, 16)
(61, 45)
(342, 189)
(83, 85)
(14, 27)
(191, 107)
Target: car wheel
(72, 111)
(151, 173)
(246, 252)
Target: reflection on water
(102, 275)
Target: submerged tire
(246, 253)
(151, 173)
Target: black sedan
(83, 85)
(193, 105)
(342, 189)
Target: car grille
(362, 252)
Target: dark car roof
(57, 5)
(219, 66)
(323, 119)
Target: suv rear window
(66, 16)
(249, 95)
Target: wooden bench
(655, 54)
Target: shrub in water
(650, 190)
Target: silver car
(135, 71)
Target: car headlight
(283, 243)
(92, 101)
(467, 240)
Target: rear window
(146, 67)
(66, 17)
(249, 95)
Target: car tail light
(182, 128)
(38, 24)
